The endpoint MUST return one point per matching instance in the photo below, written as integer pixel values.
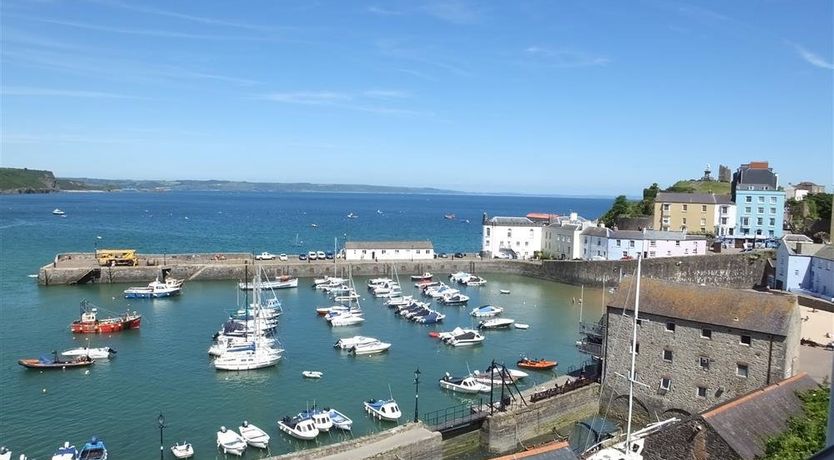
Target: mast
(581, 298)
(633, 356)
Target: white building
(725, 219)
(511, 237)
(599, 243)
(562, 238)
(389, 250)
(805, 267)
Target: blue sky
(569, 97)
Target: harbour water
(164, 367)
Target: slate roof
(512, 222)
(596, 231)
(801, 248)
(735, 308)
(797, 237)
(389, 245)
(567, 227)
(827, 252)
(755, 174)
(554, 451)
(746, 423)
(653, 235)
(700, 198)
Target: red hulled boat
(90, 323)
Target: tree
(649, 195)
(805, 435)
(621, 207)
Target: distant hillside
(699, 186)
(231, 186)
(13, 180)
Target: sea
(163, 368)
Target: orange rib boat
(539, 364)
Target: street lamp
(416, 392)
(161, 420)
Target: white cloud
(813, 58)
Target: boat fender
(245, 424)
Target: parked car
(302, 257)
(459, 255)
(265, 256)
(443, 255)
(329, 255)
(311, 255)
(282, 256)
(321, 255)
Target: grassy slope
(13, 178)
(695, 186)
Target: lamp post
(161, 420)
(416, 392)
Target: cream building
(695, 213)
(562, 239)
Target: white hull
(496, 323)
(311, 374)
(468, 386)
(308, 433)
(391, 412)
(93, 353)
(248, 360)
(254, 436)
(182, 450)
(349, 342)
(230, 442)
(340, 420)
(370, 349)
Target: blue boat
(93, 450)
(67, 452)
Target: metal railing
(454, 416)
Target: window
(639, 322)
(487, 232)
(759, 221)
(745, 340)
(637, 348)
(772, 221)
(773, 210)
(703, 221)
(773, 200)
(677, 243)
(706, 333)
(703, 361)
(667, 355)
(683, 220)
(665, 206)
(618, 243)
(670, 326)
(509, 233)
(745, 221)
(684, 208)
(625, 253)
(703, 208)
(748, 209)
(741, 370)
(723, 210)
(652, 243)
(652, 253)
(631, 243)
(761, 199)
(760, 210)
(748, 199)
(702, 392)
(665, 383)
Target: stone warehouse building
(697, 346)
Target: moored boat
(93, 450)
(253, 435)
(321, 418)
(5, 454)
(521, 326)
(345, 319)
(90, 323)
(57, 212)
(230, 442)
(155, 289)
(282, 282)
(312, 374)
(340, 420)
(370, 348)
(299, 427)
(66, 452)
(486, 311)
(466, 384)
(496, 323)
(503, 291)
(475, 281)
(383, 409)
(454, 299)
(537, 364)
(346, 343)
(54, 362)
(424, 277)
(184, 450)
(93, 353)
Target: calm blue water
(164, 366)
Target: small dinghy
(321, 418)
(312, 374)
(5, 454)
(298, 427)
(340, 420)
(504, 291)
(93, 353)
(183, 450)
(521, 326)
(67, 452)
(537, 364)
(487, 311)
(230, 442)
(383, 409)
(466, 384)
(253, 435)
(496, 323)
(93, 450)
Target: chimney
(799, 248)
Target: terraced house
(695, 213)
(697, 346)
(759, 201)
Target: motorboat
(475, 281)
(346, 343)
(299, 427)
(521, 326)
(352, 216)
(383, 409)
(466, 384)
(426, 284)
(536, 364)
(496, 323)
(54, 362)
(454, 299)
(93, 353)
(433, 317)
(253, 435)
(449, 216)
(5, 454)
(312, 374)
(66, 452)
(155, 289)
(340, 420)
(376, 282)
(371, 348)
(449, 334)
(424, 277)
(486, 311)
(323, 311)
(93, 450)
(90, 323)
(321, 418)
(184, 450)
(328, 281)
(460, 277)
(346, 319)
(230, 442)
(282, 282)
(248, 357)
(503, 291)
(495, 373)
(57, 212)
(224, 343)
(395, 301)
(467, 338)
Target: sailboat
(632, 447)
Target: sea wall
(504, 431)
(728, 270)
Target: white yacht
(346, 319)
(467, 338)
(496, 323)
(466, 384)
(370, 348)
(346, 343)
(93, 353)
(299, 427)
(383, 410)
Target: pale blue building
(760, 204)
